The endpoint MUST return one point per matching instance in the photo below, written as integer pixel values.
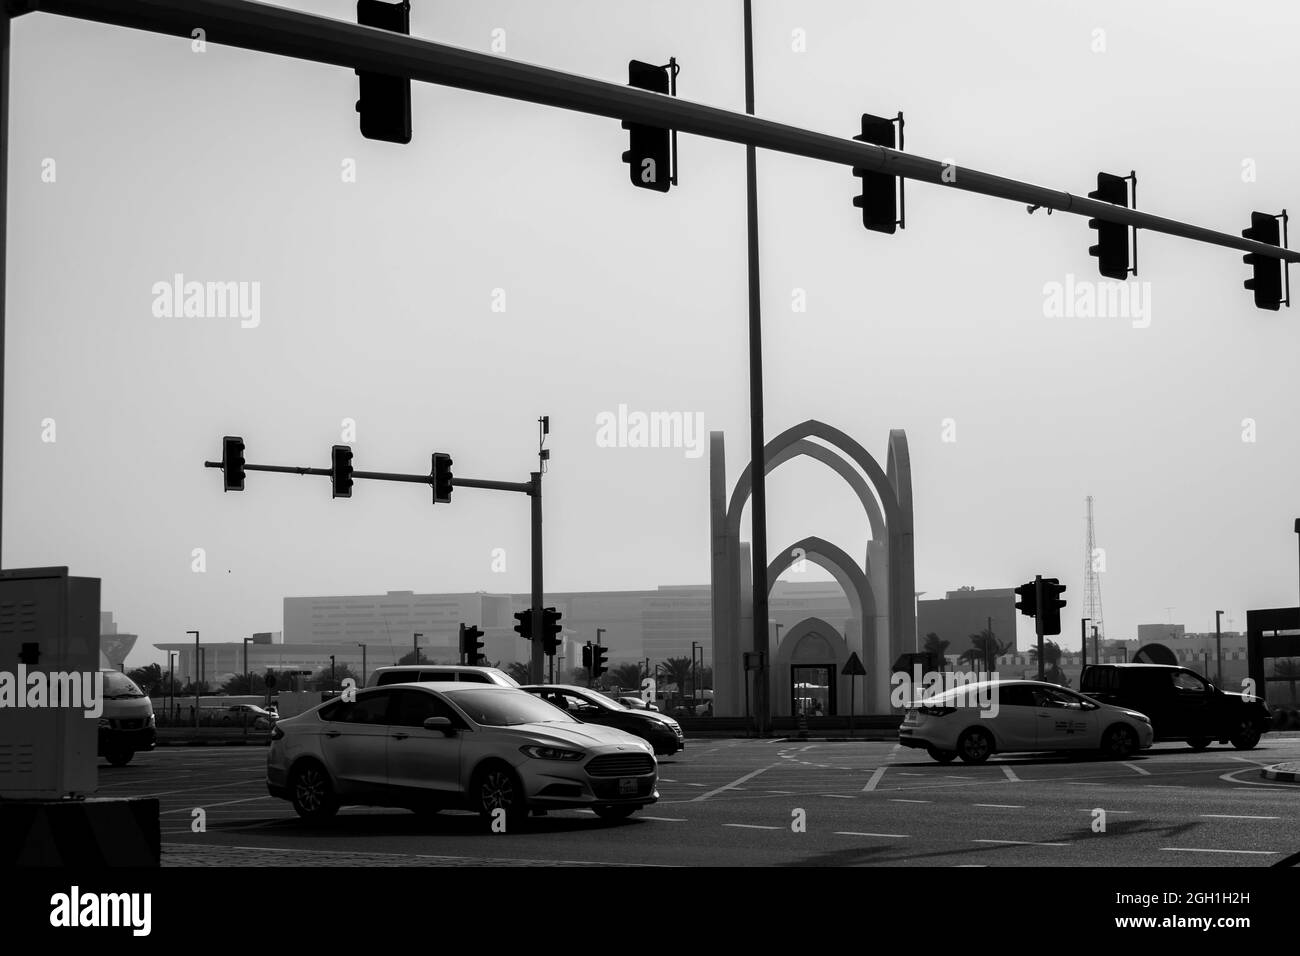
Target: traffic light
(1112, 248)
(1268, 272)
(1028, 603)
(881, 193)
(650, 156)
(525, 626)
(341, 471)
(385, 103)
(441, 477)
(470, 645)
(586, 656)
(1052, 604)
(232, 463)
(598, 653)
(551, 630)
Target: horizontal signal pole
(524, 487)
(305, 36)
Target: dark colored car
(1181, 703)
(592, 707)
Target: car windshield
(505, 708)
(117, 685)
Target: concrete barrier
(92, 833)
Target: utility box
(49, 684)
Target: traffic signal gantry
(342, 475)
(1041, 599)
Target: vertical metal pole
(363, 665)
(1083, 644)
(758, 464)
(171, 683)
(4, 218)
(1096, 659)
(1218, 647)
(1038, 619)
(537, 669)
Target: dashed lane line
(1197, 849)
(667, 819)
(1136, 769)
(209, 806)
(1001, 806)
(1019, 843)
(890, 836)
(750, 826)
(874, 779)
(901, 800)
(734, 784)
(1010, 774)
(1237, 816)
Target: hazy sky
(376, 304)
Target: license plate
(627, 784)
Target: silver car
(429, 746)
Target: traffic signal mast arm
(526, 487)
(306, 36)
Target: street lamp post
(363, 663)
(416, 641)
(171, 683)
(196, 683)
(1083, 638)
(695, 677)
(1094, 645)
(1218, 647)
(333, 681)
(248, 675)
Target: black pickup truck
(1182, 704)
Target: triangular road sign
(853, 666)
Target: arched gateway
(881, 592)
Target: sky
(501, 267)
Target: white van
(127, 725)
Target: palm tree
(677, 670)
(937, 646)
(989, 647)
(972, 656)
(1051, 663)
(627, 675)
(149, 679)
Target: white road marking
(1231, 777)
(1136, 769)
(892, 836)
(1000, 806)
(902, 774)
(1194, 849)
(1088, 810)
(875, 779)
(209, 806)
(784, 793)
(1020, 843)
(837, 796)
(667, 819)
(731, 786)
(1237, 816)
(901, 800)
(1165, 786)
(749, 826)
(1011, 774)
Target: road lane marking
(1237, 816)
(837, 796)
(731, 786)
(1165, 786)
(209, 806)
(1019, 843)
(892, 836)
(1092, 809)
(750, 826)
(875, 779)
(783, 793)
(667, 819)
(1000, 806)
(901, 800)
(1136, 769)
(1195, 849)
(1011, 774)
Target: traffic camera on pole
(1051, 606)
(598, 654)
(232, 463)
(1113, 243)
(441, 477)
(881, 200)
(341, 471)
(551, 630)
(385, 103)
(652, 151)
(1270, 274)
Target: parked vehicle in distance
(1181, 703)
(1030, 716)
(127, 725)
(592, 707)
(455, 744)
(259, 718)
(413, 673)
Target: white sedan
(1008, 716)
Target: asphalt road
(742, 802)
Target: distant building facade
(966, 611)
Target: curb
(1286, 776)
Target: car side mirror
(440, 723)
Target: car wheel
(312, 793)
(614, 813)
(1198, 743)
(1247, 735)
(943, 756)
(120, 758)
(975, 745)
(496, 787)
(1119, 742)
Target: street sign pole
(1038, 620)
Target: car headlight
(1142, 717)
(551, 753)
(152, 721)
(104, 723)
